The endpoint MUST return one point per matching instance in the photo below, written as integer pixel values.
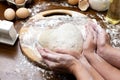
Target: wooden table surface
(15, 66)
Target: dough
(66, 36)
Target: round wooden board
(28, 46)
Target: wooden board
(29, 34)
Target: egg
(73, 2)
(19, 1)
(9, 14)
(99, 5)
(22, 13)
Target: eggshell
(83, 5)
(9, 14)
(73, 2)
(22, 13)
(19, 1)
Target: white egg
(19, 1)
(9, 14)
(22, 13)
(99, 5)
(73, 2)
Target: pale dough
(67, 37)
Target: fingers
(101, 33)
(52, 59)
(56, 60)
(108, 38)
(97, 28)
(72, 53)
(49, 56)
(37, 45)
(51, 64)
(62, 51)
(48, 51)
(94, 34)
(87, 31)
(44, 53)
(91, 39)
(91, 32)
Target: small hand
(58, 61)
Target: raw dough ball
(99, 5)
(22, 13)
(19, 1)
(9, 14)
(67, 37)
(73, 2)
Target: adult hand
(58, 61)
(103, 39)
(89, 45)
(70, 52)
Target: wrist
(81, 73)
(74, 68)
(104, 50)
(90, 56)
(77, 71)
(88, 53)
